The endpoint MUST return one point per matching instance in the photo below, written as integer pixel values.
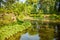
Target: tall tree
(47, 5)
(58, 13)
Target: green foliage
(47, 5)
(32, 31)
(7, 17)
(28, 9)
(10, 30)
(19, 10)
(18, 7)
(32, 1)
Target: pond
(29, 37)
(38, 32)
(31, 34)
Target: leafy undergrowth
(7, 31)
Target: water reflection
(38, 32)
(31, 33)
(27, 36)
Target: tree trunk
(58, 33)
(0, 4)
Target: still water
(29, 37)
(38, 33)
(31, 34)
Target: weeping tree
(8, 16)
(4, 12)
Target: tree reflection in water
(38, 32)
(32, 33)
